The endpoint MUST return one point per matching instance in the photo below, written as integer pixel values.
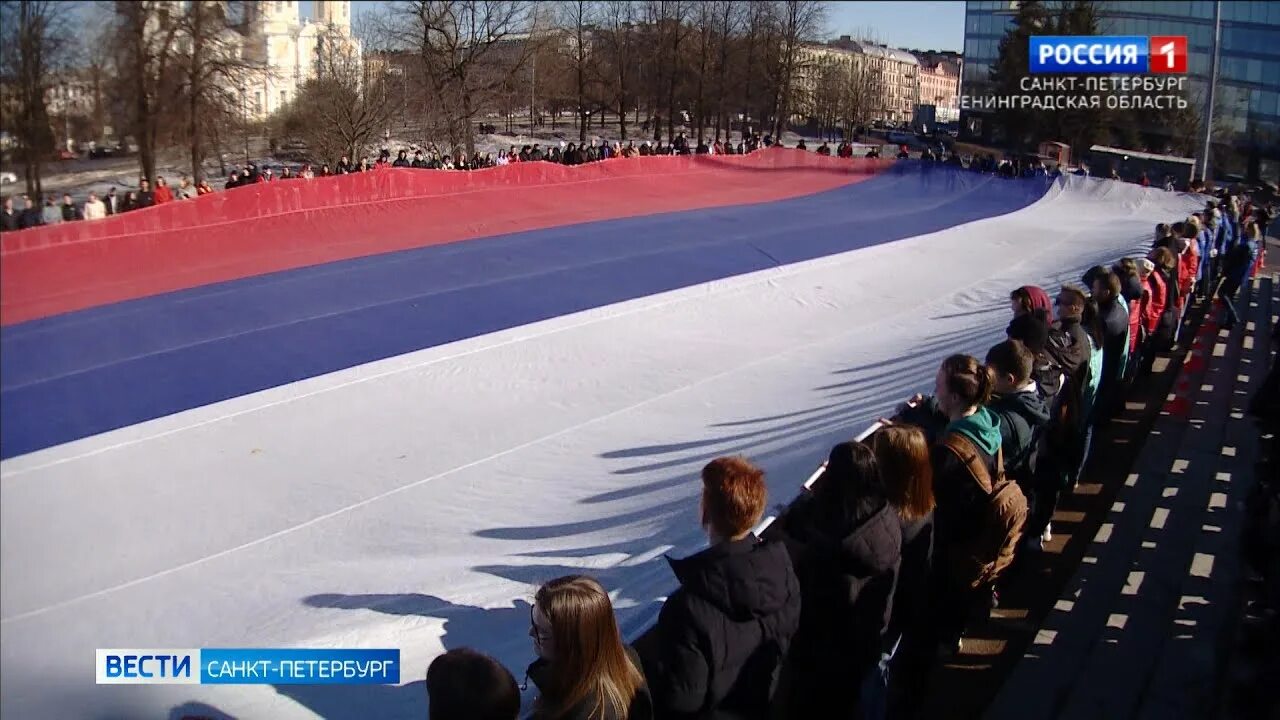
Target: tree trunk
(469, 137)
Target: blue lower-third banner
(248, 666)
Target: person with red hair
(722, 635)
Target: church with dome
(291, 49)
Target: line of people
(900, 545)
(95, 207)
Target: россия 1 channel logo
(1108, 54)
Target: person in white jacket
(94, 209)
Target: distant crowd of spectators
(25, 212)
(843, 605)
(54, 212)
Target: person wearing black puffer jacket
(845, 541)
(716, 650)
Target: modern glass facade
(1248, 92)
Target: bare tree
(729, 17)
(342, 110)
(100, 72)
(864, 95)
(799, 21)
(761, 44)
(620, 41)
(578, 18)
(466, 49)
(704, 20)
(213, 68)
(35, 41)
(146, 42)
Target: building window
(257, 102)
(282, 97)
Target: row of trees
(173, 74)
(167, 74)
(443, 65)
(713, 62)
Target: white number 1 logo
(1167, 51)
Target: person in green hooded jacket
(969, 441)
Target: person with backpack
(980, 512)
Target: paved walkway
(1126, 614)
(1143, 627)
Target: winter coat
(163, 194)
(1021, 417)
(1115, 345)
(69, 212)
(51, 215)
(1069, 345)
(911, 596)
(29, 218)
(9, 219)
(144, 199)
(1168, 325)
(1188, 269)
(958, 497)
(1132, 291)
(1155, 306)
(1238, 262)
(94, 210)
(721, 636)
(641, 705)
(847, 562)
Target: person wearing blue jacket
(1205, 243)
(1236, 266)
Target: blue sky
(916, 25)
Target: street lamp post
(244, 120)
(66, 116)
(1213, 89)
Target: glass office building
(1248, 92)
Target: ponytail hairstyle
(589, 655)
(968, 379)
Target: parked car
(7, 178)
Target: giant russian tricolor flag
(378, 410)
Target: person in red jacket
(1188, 265)
(1154, 307)
(163, 194)
(1135, 294)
